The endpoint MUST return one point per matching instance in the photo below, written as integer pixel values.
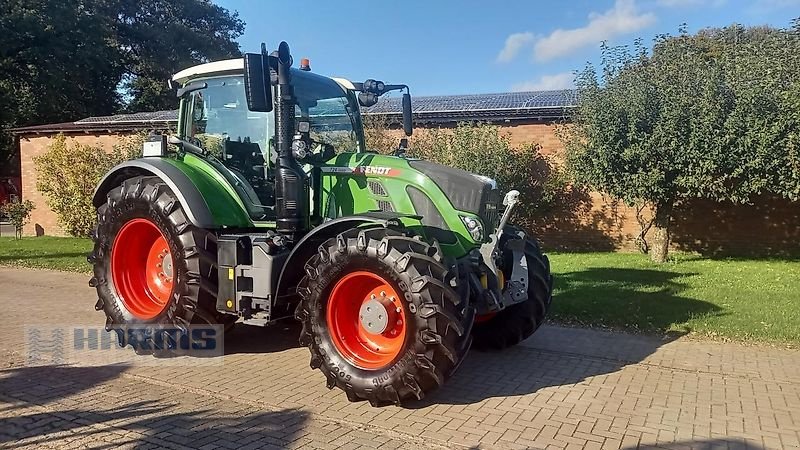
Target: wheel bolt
(158, 264)
(398, 309)
(383, 293)
(399, 322)
(372, 296)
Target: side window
(218, 120)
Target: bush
(18, 213)
(69, 173)
(483, 149)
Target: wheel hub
(376, 314)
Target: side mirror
(408, 127)
(257, 87)
(367, 99)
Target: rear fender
(192, 187)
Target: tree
(18, 213)
(160, 37)
(63, 60)
(712, 115)
(56, 64)
(68, 175)
(485, 150)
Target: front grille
(376, 188)
(490, 211)
(383, 205)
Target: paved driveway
(563, 388)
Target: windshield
(216, 118)
(331, 113)
(219, 113)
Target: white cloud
(558, 81)
(688, 3)
(514, 43)
(622, 19)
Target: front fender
(293, 271)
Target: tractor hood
(467, 191)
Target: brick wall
(43, 220)
(587, 221)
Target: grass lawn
(740, 299)
(46, 252)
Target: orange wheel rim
(142, 268)
(366, 320)
(480, 318)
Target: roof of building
(501, 107)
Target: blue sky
(470, 46)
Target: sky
(444, 47)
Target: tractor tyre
(381, 315)
(152, 267)
(516, 323)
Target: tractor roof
(209, 69)
(227, 67)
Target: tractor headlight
(474, 226)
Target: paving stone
(563, 388)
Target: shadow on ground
(255, 339)
(648, 299)
(154, 422)
(711, 444)
(154, 425)
(61, 381)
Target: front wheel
(381, 316)
(509, 327)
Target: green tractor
(266, 205)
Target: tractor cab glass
(331, 113)
(217, 119)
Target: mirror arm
(185, 145)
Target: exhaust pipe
(291, 189)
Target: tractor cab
(214, 116)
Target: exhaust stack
(291, 191)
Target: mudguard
(190, 186)
(292, 271)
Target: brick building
(591, 222)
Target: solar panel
(156, 116)
(479, 102)
(511, 104)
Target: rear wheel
(381, 316)
(496, 331)
(152, 267)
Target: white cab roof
(229, 66)
(212, 68)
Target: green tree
(18, 213)
(68, 175)
(63, 60)
(486, 150)
(712, 115)
(160, 37)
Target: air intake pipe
(291, 189)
